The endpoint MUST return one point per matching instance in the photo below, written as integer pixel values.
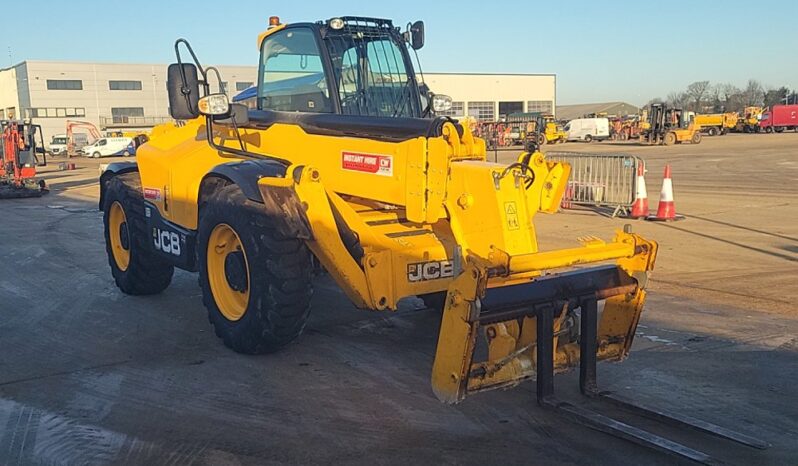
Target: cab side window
(291, 77)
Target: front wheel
(588, 138)
(137, 269)
(670, 139)
(256, 282)
(96, 155)
(696, 137)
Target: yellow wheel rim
(222, 242)
(119, 236)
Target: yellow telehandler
(344, 160)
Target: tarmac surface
(89, 375)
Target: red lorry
(779, 118)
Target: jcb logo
(434, 270)
(166, 241)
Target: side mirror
(415, 35)
(183, 93)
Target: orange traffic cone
(666, 211)
(640, 206)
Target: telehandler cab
(343, 160)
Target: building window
(506, 108)
(243, 85)
(64, 85)
(541, 106)
(458, 109)
(123, 114)
(60, 112)
(483, 111)
(124, 85)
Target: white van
(588, 129)
(105, 147)
(58, 144)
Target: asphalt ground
(89, 375)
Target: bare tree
(726, 97)
(753, 95)
(677, 99)
(696, 92)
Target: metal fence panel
(600, 180)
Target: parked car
(588, 129)
(105, 147)
(58, 144)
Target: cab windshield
(370, 72)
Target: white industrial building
(117, 96)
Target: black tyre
(588, 138)
(696, 138)
(542, 139)
(670, 138)
(712, 132)
(137, 269)
(256, 282)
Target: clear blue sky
(600, 50)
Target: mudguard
(112, 170)
(247, 173)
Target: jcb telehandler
(343, 160)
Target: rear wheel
(769, 129)
(712, 131)
(670, 139)
(256, 282)
(541, 139)
(137, 269)
(696, 137)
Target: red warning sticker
(152, 194)
(367, 163)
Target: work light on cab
(337, 23)
(441, 103)
(214, 105)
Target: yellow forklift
(669, 126)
